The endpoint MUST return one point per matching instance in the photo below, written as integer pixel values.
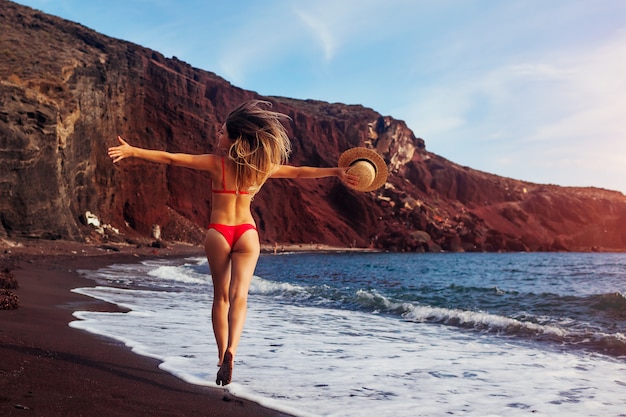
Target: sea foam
(301, 353)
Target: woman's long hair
(259, 143)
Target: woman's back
(230, 204)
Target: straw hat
(366, 164)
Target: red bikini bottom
(232, 233)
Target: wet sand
(49, 369)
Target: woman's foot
(225, 374)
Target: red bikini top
(224, 190)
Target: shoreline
(51, 369)
(311, 247)
(34, 247)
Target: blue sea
(387, 334)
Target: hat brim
(353, 155)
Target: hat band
(365, 160)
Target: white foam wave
(464, 318)
(374, 299)
(177, 274)
(111, 295)
(478, 320)
(262, 286)
(153, 273)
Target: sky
(528, 89)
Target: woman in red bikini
(257, 147)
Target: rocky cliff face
(66, 92)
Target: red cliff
(67, 91)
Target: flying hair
(259, 143)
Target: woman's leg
(232, 270)
(244, 257)
(218, 255)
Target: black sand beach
(49, 369)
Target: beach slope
(49, 369)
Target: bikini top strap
(224, 190)
(223, 175)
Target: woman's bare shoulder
(283, 171)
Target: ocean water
(381, 334)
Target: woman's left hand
(347, 178)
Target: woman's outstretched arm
(288, 171)
(124, 150)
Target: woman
(257, 147)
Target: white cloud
(553, 114)
(597, 94)
(253, 45)
(289, 34)
(320, 32)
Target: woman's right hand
(124, 150)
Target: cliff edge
(66, 92)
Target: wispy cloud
(316, 33)
(551, 113)
(320, 32)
